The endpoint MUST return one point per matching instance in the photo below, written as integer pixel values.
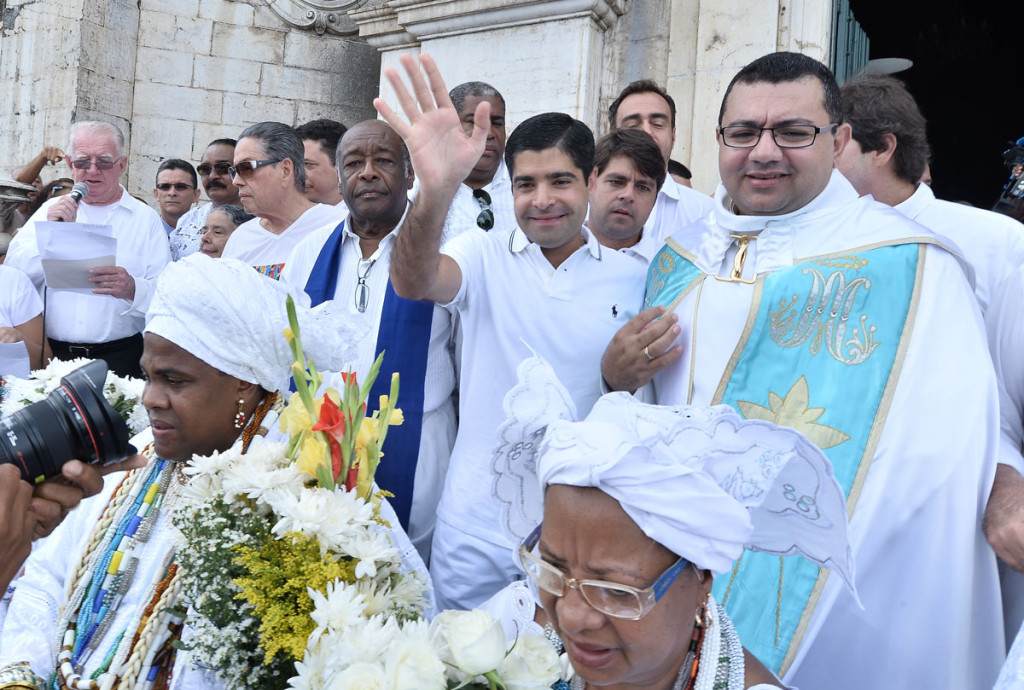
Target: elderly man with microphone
(106, 324)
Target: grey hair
(236, 214)
(96, 127)
(473, 89)
(279, 141)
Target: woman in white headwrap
(642, 506)
(215, 360)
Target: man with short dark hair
(549, 287)
(213, 171)
(800, 303)
(628, 171)
(320, 139)
(646, 106)
(270, 174)
(484, 200)
(177, 188)
(106, 324)
(350, 262)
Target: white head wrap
(704, 482)
(233, 318)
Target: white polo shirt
(511, 300)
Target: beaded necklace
(142, 653)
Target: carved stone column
(542, 55)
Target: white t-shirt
(19, 301)
(142, 250)
(267, 252)
(513, 300)
(438, 431)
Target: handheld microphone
(80, 190)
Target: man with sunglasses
(349, 262)
(484, 200)
(106, 324)
(213, 171)
(800, 303)
(177, 188)
(270, 173)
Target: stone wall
(174, 75)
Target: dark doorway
(968, 78)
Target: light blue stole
(821, 353)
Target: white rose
(476, 642)
(360, 676)
(531, 665)
(413, 664)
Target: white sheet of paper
(68, 250)
(14, 360)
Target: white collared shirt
(513, 302)
(141, 249)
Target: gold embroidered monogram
(849, 262)
(793, 411)
(824, 317)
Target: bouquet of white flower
(123, 393)
(290, 575)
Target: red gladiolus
(332, 421)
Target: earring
(708, 617)
(240, 415)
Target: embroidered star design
(793, 411)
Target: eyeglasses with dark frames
(179, 186)
(484, 221)
(205, 169)
(245, 169)
(100, 163)
(785, 136)
(618, 601)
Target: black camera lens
(74, 422)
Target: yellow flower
(295, 419)
(368, 432)
(312, 454)
(288, 334)
(396, 417)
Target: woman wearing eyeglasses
(643, 506)
(220, 223)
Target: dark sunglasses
(100, 163)
(180, 186)
(222, 168)
(484, 221)
(245, 169)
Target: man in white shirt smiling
(549, 286)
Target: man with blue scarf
(800, 303)
(349, 262)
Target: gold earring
(240, 415)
